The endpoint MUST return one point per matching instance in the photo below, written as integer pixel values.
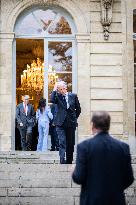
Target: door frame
(47, 39)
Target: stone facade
(104, 69)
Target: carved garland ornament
(106, 16)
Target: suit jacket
(28, 120)
(54, 112)
(103, 168)
(72, 113)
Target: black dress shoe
(68, 162)
(52, 149)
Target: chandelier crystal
(33, 77)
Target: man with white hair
(68, 110)
(25, 116)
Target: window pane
(134, 21)
(60, 64)
(60, 56)
(29, 69)
(38, 21)
(60, 26)
(134, 51)
(135, 76)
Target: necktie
(64, 101)
(25, 108)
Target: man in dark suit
(68, 110)
(103, 166)
(25, 116)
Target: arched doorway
(45, 53)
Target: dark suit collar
(102, 133)
(69, 97)
(22, 108)
(60, 96)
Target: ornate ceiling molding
(106, 16)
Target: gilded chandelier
(33, 77)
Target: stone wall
(106, 66)
(32, 178)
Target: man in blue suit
(68, 110)
(103, 166)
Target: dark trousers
(66, 136)
(17, 139)
(26, 138)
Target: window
(40, 22)
(45, 52)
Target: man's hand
(55, 87)
(21, 124)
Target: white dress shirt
(66, 98)
(25, 108)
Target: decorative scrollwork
(106, 16)
(107, 3)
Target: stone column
(6, 85)
(83, 76)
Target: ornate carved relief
(106, 16)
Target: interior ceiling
(27, 45)
(28, 50)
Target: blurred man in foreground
(103, 166)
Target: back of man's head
(101, 120)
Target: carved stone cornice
(106, 16)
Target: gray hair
(62, 84)
(26, 97)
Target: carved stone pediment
(106, 16)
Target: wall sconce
(106, 16)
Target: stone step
(33, 178)
(29, 157)
(36, 178)
(51, 200)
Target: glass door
(41, 63)
(30, 69)
(45, 53)
(59, 64)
